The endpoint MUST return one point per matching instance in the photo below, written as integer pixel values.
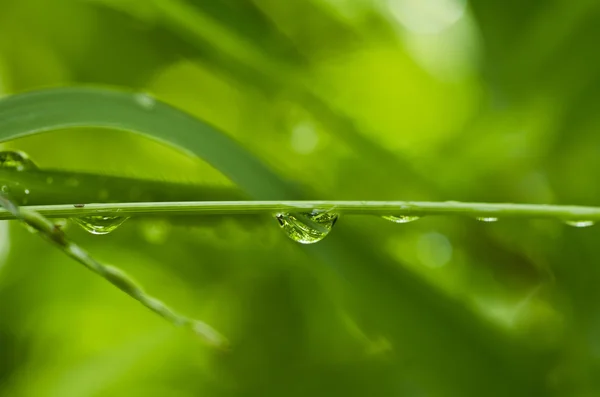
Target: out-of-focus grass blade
(52, 109)
(47, 187)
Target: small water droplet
(5, 189)
(100, 224)
(145, 100)
(26, 191)
(580, 223)
(401, 218)
(487, 219)
(15, 160)
(49, 180)
(78, 205)
(307, 227)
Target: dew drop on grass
(487, 219)
(145, 100)
(401, 218)
(15, 160)
(580, 223)
(100, 224)
(307, 227)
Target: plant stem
(498, 210)
(115, 276)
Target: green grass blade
(50, 187)
(113, 275)
(53, 109)
(577, 216)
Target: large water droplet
(401, 218)
(487, 219)
(307, 228)
(100, 224)
(14, 160)
(580, 223)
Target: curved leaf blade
(51, 109)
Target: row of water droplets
(95, 224)
(302, 227)
(301, 232)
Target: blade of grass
(47, 187)
(60, 108)
(377, 208)
(113, 275)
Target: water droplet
(401, 218)
(487, 219)
(5, 189)
(307, 227)
(145, 100)
(26, 191)
(49, 180)
(14, 160)
(580, 223)
(100, 224)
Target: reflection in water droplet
(18, 161)
(580, 223)
(100, 224)
(145, 100)
(307, 228)
(401, 218)
(487, 219)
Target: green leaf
(47, 187)
(48, 110)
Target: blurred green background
(349, 99)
